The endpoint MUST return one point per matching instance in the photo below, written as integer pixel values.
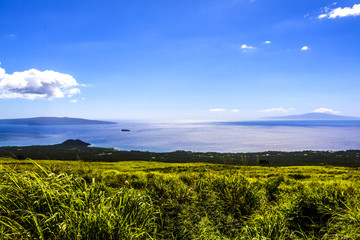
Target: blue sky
(178, 60)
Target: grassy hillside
(153, 200)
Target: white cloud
(235, 110)
(247, 47)
(326, 110)
(35, 84)
(279, 109)
(217, 109)
(2, 72)
(304, 48)
(74, 101)
(267, 42)
(73, 91)
(341, 12)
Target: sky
(178, 60)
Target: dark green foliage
(272, 187)
(238, 195)
(312, 207)
(298, 176)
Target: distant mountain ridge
(314, 116)
(52, 121)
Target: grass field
(152, 200)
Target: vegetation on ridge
(78, 150)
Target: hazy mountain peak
(314, 116)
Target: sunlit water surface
(219, 137)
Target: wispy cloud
(279, 109)
(217, 109)
(326, 110)
(267, 42)
(223, 110)
(35, 84)
(245, 46)
(341, 12)
(73, 92)
(305, 48)
(73, 100)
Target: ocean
(204, 137)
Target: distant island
(53, 121)
(313, 116)
(307, 119)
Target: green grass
(152, 200)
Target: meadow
(50, 199)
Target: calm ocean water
(219, 137)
